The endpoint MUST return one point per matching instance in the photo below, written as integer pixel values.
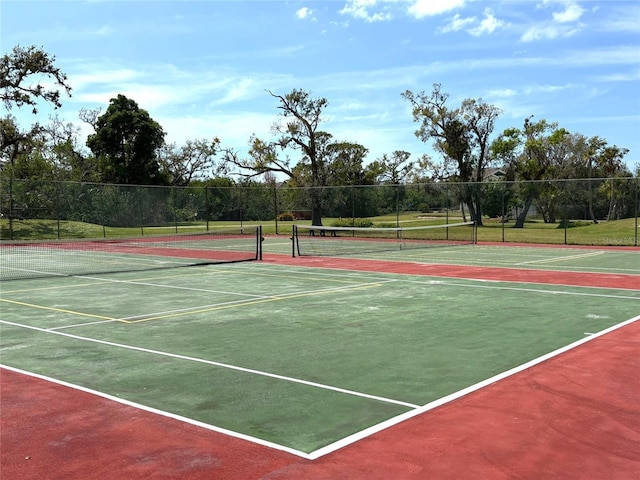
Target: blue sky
(202, 68)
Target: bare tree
(298, 130)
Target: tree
(393, 169)
(15, 142)
(302, 117)
(460, 134)
(126, 143)
(67, 153)
(298, 130)
(23, 64)
(16, 68)
(531, 154)
(610, 161)
(343, 171)
(344, 164)
(194, 160)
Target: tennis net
(335, 241)
(50, 258)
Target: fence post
(503, 219)
(137, 195)
(58, 208)
(11, 203)
(446, 206)
(206, 205)
(275, 203)
(636, 215)
(353, 206)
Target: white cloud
(381, 10)
(535, 89)
(237, 89)
(427, 8)
(100, 75)
(104, 30)
(572, 11)
(458, 23)
(305, 13)
(502, 93)
(361, 9)
(623, 19)
(488, 25)
(620, 77)
(548, 32)
(562, 24)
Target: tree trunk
(478, 207)
(611, 214)
(316, 208)
(472, 211)
(523, 214)
(464, 215)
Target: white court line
(173, 287)
(216, 364)
(191, 309)
(82, 324)
(461, 393)
(566, 257)
(477, 262)
(532, 290)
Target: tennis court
(308, 355)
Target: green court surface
(302, 358)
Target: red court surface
(579, 279)
(574, 416)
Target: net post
(294, 234)
(260, 240)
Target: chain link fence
(586, 211)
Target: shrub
(286, 217)
(353, 222)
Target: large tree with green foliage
(298, 130)
(126, 143)
(532, 154)
(461, 134)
